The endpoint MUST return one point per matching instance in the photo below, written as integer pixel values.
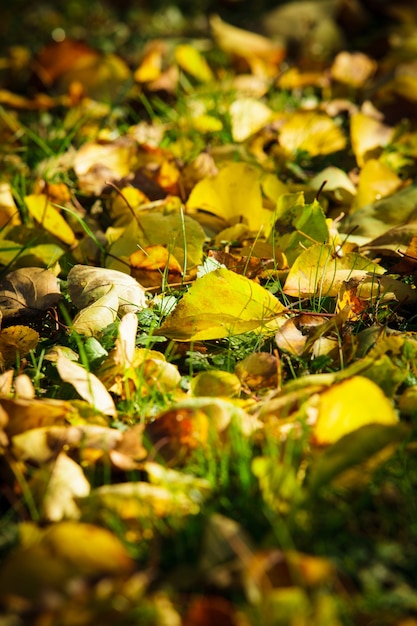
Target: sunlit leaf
(235, 192)
(367, 135)
(182, 236)
(65, 482)
(258, 371)
(86, 384)
(191, 61)
(315, 133)
(154, 264)
(374, 219)
(261, 54)
(9, 215)
(348, 405)
(247, 117)
(49, 217)
(142, 503)
(96, 164)
(298, 225)
(215, 383)
(201, 313)
(86, 285)
(59, 553)
(318, 271)
(26, 414)
(376, 181)
(353, 69)
(92, 319)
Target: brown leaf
(28, 291)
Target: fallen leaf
(16, 342)
(180, 234)
(298, 225)
(312, 132)
(232, 194)
(45, 214)
(89, 387)
(96, 164)
(201, 314)
(248, 116)
(368, 135)
(57, 554)
(154, 265)
(215, 383)
(261, 54)
(26, 414)
(374, 219)
(87, 284)
(192, 61)
(318, 271)
(28, 291)
(353, 449)
(376, 181)
(348, 405)
(65, 483)
(353, 68)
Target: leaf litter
(208, 340)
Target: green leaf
(298, 225)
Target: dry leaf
(353, 68)
(28, 291)
(86, 384)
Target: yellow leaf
(367, 135)
(26, 414)
(353, 69)
(215, 383)
(91, 320)
(191, 61)
(97, 163)
(220, 304)
(9, 215)
(66, 482)
(233, 193)
(50, 218)
(86, 384)
(17, 341)
(261, 54)
(315, 133)
(376, 181)
(318, 271)
(248, 116)
(349, 405)
(51, 557)
(206, 123)
(150, 67)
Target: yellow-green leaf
(348, 405)
(312, 132)
(234, 193)
(49, 217)
(319, 271)
(221, 304)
